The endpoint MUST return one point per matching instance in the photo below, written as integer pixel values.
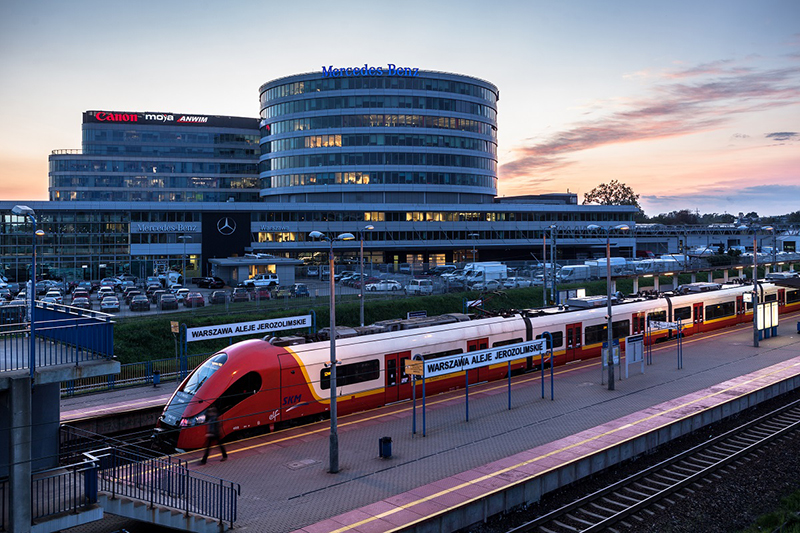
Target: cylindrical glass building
(372, 135)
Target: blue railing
(3, 504)
(134, 375)
(64, 335)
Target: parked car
(48, 300)
(139, 302)
(419, 286)
(86, 285)
(194, 299)
(55, 295)
(284, 291)
(300, 290)
(261, 293)
(155, 295)
(81, 302)
(210, 283)
(385, 285)
(312, 271)
(180, 294)
(516, 283)
(343, 276)
(240, 294)
(110, 304)
(167, 301)
(131, 294)
(491, 285)
(80, 293)
(104, 291)
(218, 297)
(262, 280)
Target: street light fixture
(334, 437)
(553, 256)
(361, 263)
(610, 336)
(24, 210)
(184, 238)
(755, 300)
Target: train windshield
(203, 372)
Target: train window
(558, 339)
(434, 355)
(682, 313)
(242, 388)
(720, 310)
(204, 371)
(771, 297)
(792, 296)
(595, 334)
(658, 316)
(351, 374)
(507, 342)
(621, 329)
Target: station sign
(413, 368)
(205, 333)
(470, 360)
(660, 324)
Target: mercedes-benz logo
(226, 225)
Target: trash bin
(156, 378)
(798, 327)
(385, 447)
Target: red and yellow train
(257, 385)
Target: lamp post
(184, 238)
(553, 256)
(361, 265)
(26, 211)
(610, 336)
(473, 236)
(334, 437)
(754, 228)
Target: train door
(480, 374)
(574, 342)
(397, 384)
(740, 308)
(697, 318)
(638, 323)
(781, 298)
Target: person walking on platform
(213, 434)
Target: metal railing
(168, 483)
(64, 335)
(64, 490)
(133, 375)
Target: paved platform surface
(286, 486)
(284, 478)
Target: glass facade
(159, 157)
(375, 135)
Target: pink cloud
(673, 109)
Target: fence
(167, 483)
(64, 490)
(64, 335)
(133, 375)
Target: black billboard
(151, 118)
(225, 234)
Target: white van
(419, 286)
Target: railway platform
(462, 472)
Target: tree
(614, 193)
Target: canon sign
(102, 116)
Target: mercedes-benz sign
(226, 225)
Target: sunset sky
(694, 104)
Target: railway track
(622, 503)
